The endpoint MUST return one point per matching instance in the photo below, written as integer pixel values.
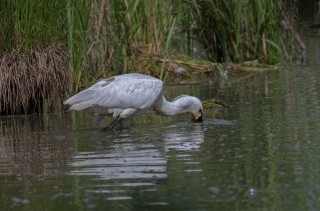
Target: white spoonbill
(123, 96)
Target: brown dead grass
(34, 81)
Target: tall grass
(30, 23)
(33, 62)
(239, 31)
(99, 38)
(78, 23)
(34, 81)
(122, 30)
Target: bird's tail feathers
(81, 97)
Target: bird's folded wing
(118, 92)
(133, 93)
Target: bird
(126, 95)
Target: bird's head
(196, 110)
(189, 104)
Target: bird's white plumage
(119, 92)
(130, 94)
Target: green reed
(77, 28)
(30, 23)
(239, 31)
(107, 37)
(141, 27)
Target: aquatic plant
(121, 31)
(99, 38)
(29, 23)
(239, 31)
(34, 81)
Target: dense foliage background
(99, 38)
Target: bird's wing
(83, 99)
(123, 91)
(130, 92)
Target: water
(262, 153)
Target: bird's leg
(112, 124)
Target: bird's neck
(166, 108)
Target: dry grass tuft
(34, 81)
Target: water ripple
(121, 164)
